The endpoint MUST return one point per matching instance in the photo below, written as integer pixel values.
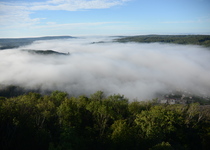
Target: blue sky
(24, 18)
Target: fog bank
(135, 70)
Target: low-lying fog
(135, 70)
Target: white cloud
(51, 23)
(72, 25)
(16, 15)
(136, 70)
(73, 5)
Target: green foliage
(58, 97)
(137, 107)
(162, 146)
(157, 122)
(106, 110)
(69, 114)
(60, 122)
(121, 135)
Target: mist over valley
(137, 70)
(104, 75)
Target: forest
(203, 40)
(44, 52)
(58, 121)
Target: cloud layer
(19, 13)
(136, 70)
(73, 5)
(20, 18)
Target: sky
(28, 18)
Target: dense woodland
(58, 121)
(203, 40)
(44, 52)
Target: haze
(138, 71)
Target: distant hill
(9, 43)
(44, 52)
(203, 40)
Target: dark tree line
(203, 40)
(9, 43)
(61, 122)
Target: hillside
(203, 40)
(9, 43)
(44, 52)
(59, 121)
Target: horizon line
(73, 36)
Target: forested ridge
(44, 52)
(58, 121)
(9, 43)
(203, 40)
